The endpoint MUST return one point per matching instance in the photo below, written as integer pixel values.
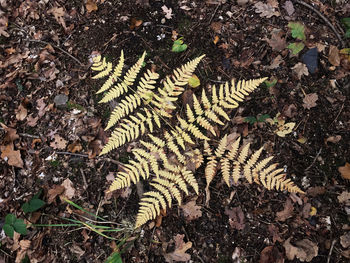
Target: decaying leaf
(344, 197)
(276, 62)
(334, 139)
(58, 142)
(271, 254)
(180, 250)
(333, 56)
(11, 156)
(285, 129)
(265, 10)
(286, 212)
(69, 189)
(345, 240)
(277, 42)
(310, 100)
(345, 171)
(58, 13)
(191, 210)
(11, 134)
(54, 192)
(236, 217)
(289, 7)
(305, 250)
(21, 112)
(300, 69)
(167, 11)
(91, 6)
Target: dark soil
(33, 74)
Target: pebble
(61, 101)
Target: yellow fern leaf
(205, 100)
(221, 147)
(189, 113)
(244, 153)
(205, 124)
(176, 178)
(190, 179)
(197, 106)
(171, 187)
(165, 192)
(225, 168)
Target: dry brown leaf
(274, 232)
(91, 6)
(216, 27)
(191, 210)
(333, 56)
(236, 217)
(58, 13)
(74, 147)
(180, 249)
(135, 23)
(11, 134)
(305, 250)
(345, 240)
(300, 69)
(31, 121)
(286, 212)
(345, 171)
(69, 189)
(41, 107)
(54, 192)
(276, 62)
(265, 10)
(58, 142)
(11, 156)
(271, 254)
(344, 197)
(289, 7)
(334, 139)
(277, 42)
(310, 100)
(315, 191)
(21, 112)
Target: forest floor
(52, 130)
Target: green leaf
(347, 33)
(20, 226)
(114, 258)
(263, 118)
(298, 30)
(250, 119)
(178, 46)
(270, 83)
(345, 51)
(32, 205)
(9, 230)
(194, 81)
(10, 219)
(296, 47)
(346, 22)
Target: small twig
(212, 17)
(55, 46)
(342, 107)
(74, 154)
(331, 250)
(24, 134)
(84, 179)
(318, 154)
(324, 19)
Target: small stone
(61, 101)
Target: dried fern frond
(236, 164)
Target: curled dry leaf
(310, 100)
(333, 56)
(286, 212)
(191, 210)
(180, 250)
(21, 112)
(305, 250)
(345, 171)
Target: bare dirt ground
(52, 128)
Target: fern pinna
(167, 161)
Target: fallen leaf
(58, 142)
(194, 81)
(345, 240)
(58, 13)
(344, 197)
(236, 217)
(334, 139)
(180, 249)
(333, 56)
(285, 129)
(167, 11)
(289, 7)
(276, 62)
(265, 10)
(271, 254)
(296, 47)
(91, 6)
(31, 121)
(74, 147)
(287, 211)
(11, 134)
(12, 157)
(135, 23)
(300, 69)
(191, 210)
(216, 40)
(69, 189)
(274, 232)
(345, 171)
(216, 27)
(310, 100)
(21, 112)
(315, 191)
(305, 250)
(54, 192)
(41, 107)
(277, 42)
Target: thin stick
(318, 154)
(55, 46)
(216, 9)
(324, 19)
(331, 250)
(25, 134)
